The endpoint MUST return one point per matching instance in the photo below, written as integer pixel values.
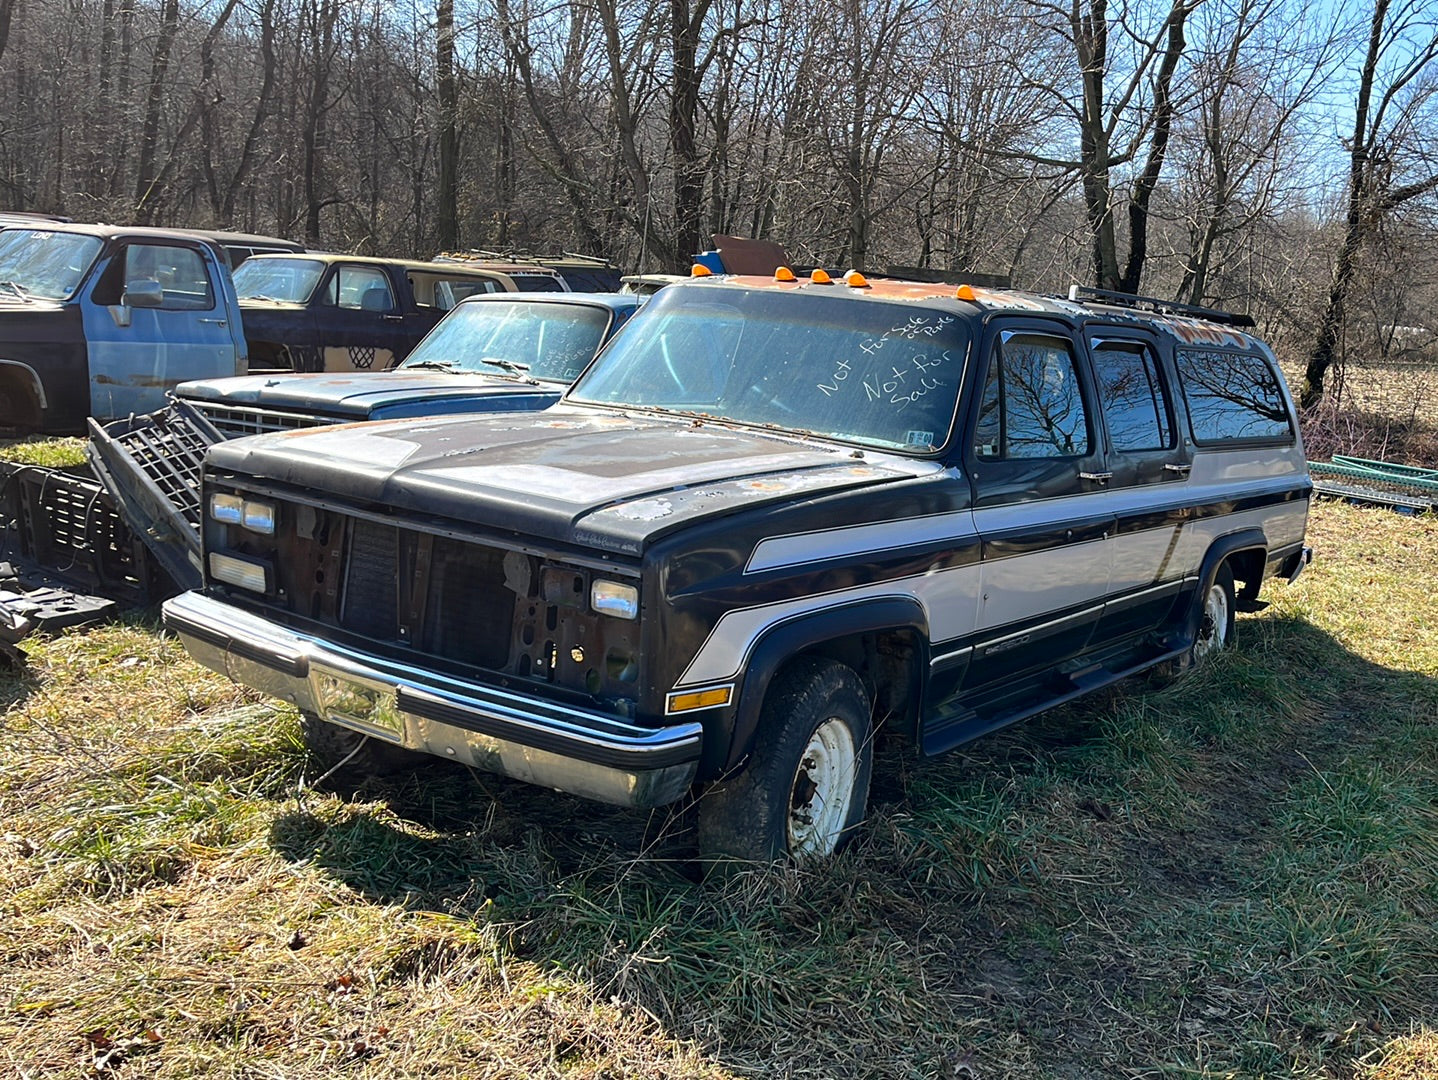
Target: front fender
(809, 631)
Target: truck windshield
(278, 277)
(851, 368)
(550, 340)
(38, 264)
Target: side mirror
(143, 293)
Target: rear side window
(1032, 405)
(1232, 397)
(1131, 389)
(360, 288)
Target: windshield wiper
(18, 290)
(442, 365)
(505, 365)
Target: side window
(360, 288)
(1232, 396)
(1032, 405)
(1131, 392)
(182, 272)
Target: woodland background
(1267, 156)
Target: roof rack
(1082, 293)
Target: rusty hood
(574, 474)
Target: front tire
(806, 785)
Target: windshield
(44, 265)
(265, 277)
(550, 341)
(844, 367)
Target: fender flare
(786, 639)
(1221, 548)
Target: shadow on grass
(1226, 875)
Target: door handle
(1182, 470)
(216, 322)
(391, 318)
(1097, 477)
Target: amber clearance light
(708, 698)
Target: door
(1150, 465)
(138, 353)
(359, 319)
(1040, 505)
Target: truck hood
(573, 474)
(253, 303)
(354, 395)
(10, 303)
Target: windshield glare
(872, 372)
(265, 278)
(45, 265)
(549, 341)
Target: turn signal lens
(612, 598)
(710, 698)
(254, 576)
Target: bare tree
(1392, 156)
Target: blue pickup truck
(100, 320)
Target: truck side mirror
(143, 293)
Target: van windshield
(855, 369)
(39, 264)
(278, 277)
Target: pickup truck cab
(102, 320)
(314, 312)
(774, 515)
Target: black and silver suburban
(774, 514)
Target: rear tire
(341, 751)
(1213, 632)
(1215, 617)
(806, 785)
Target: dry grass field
(1235, 876)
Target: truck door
(1040, 503)
(360, 321)
(155, 317)
(1150, 464)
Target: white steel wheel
(1215, 621)
(822, 793)
(805, 786)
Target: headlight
(252, 514)
(245, 573)
(612, 598)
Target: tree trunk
(1158, 149)
(684, 28)
(324, 15)
(447, 208)
(1090, 30)
(147, 193)
(7, 16)
(249, 156)
(1325, 348)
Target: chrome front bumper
(542, 742)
